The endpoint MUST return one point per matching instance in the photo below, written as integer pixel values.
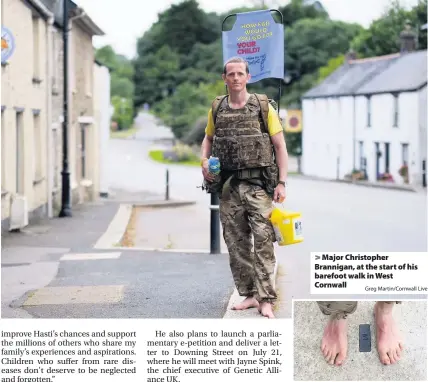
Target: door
(378, 154)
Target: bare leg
(266, 309)
(389, 342)
(249, 302)
(334, 344)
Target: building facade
(33, 107)
(26, 111)
(368, 119)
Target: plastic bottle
(214, 165)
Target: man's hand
(279, 193)
(207, 175)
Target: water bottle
(214, 165)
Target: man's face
(236, 77)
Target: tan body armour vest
(241, 140)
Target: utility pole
(65, 173)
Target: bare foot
(334, 344)
(249, 302)
(266, 309)
(389, 343)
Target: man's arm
(206, 147)
(281, 155)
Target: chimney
(407, 39)
(351, 55)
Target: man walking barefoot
(334, 344)
(245, 133)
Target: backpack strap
(216, 104)
(264, 106)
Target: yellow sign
(293, 121)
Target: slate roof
(392, 73)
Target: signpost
(259, 39)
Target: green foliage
(332, 65)
(122, 85)
(123, 112)
(158, 156)
(295, 11)
(121, 71)
(382, 37)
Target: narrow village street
(53, 269)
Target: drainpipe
(49, 165)
(354, 132)
(50, 149)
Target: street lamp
(65, 173)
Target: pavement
(42, 278)
(411, 318)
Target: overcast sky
(123, 21)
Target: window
(83, 150)
(19, 121)
(55, 61)
(361, 152)
(72, 62)
(37, 149)
(55, 141)
(369, 111)
(405, 153)
(89, 70)
(396, 110)
(36, 48)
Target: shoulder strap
(216, 104)
(264, 106)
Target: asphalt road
(336, 216)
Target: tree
(121, 77)
(383, 35)
(332, 65)
(155, 75)
(123, 112)
(296, 10)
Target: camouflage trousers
(341, 309)
(244, 214)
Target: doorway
(378, 154)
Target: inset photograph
(365, 340)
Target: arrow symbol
(317, 257)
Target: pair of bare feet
(334, 344)
(265, 308)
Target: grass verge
(157, 155)
(120, 134)
(128, 238)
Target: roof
(57, 7)
(384, 74)
(408, 73)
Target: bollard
(215, 225)
(424, 173)
(167, 185)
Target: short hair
(237, 60)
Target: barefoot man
(245, 133)
(334, 344)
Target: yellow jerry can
(287, 226)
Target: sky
(124, 21)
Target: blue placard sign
(257, 38)
(7, 44)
